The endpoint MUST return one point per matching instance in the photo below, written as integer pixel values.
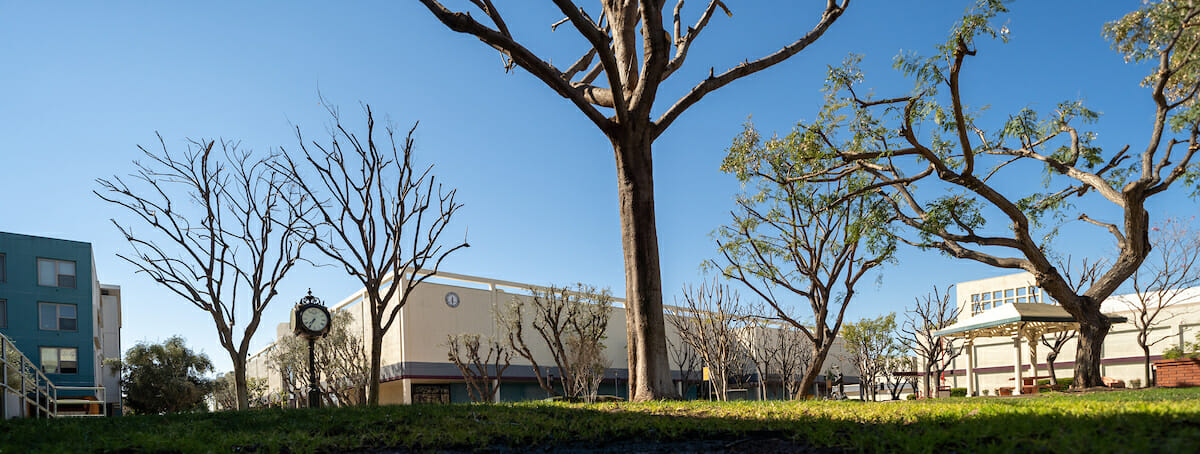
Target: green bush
(958, 392)
(1187, 350)
(1065, 381)
(911, 397)
(1043, 382)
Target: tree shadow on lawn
(988, 425)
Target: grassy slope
(1133, 421)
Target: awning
(1026, 319)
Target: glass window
(57, 317)
(1033, 298)
(987, 306)
(975, 297)
(3, 313)
(60, 360)
(1008, 301)
(3, 269)
(996, 295)
(1021, 291)
(1008, 293)
(56, 273)
(1021, 299)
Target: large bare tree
(933, 312)
(224, 228)
(481, 371)
(378, 217)
(1162, 281)
(940, 165)
(636, 46)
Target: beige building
(415, 364)
(993, 358)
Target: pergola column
(1017, 369)
(970, 367)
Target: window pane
(975, 297)
(987, 306)
(65, 280)
(48, 316)
(1008, 293)
(67, 324)
(66, 310)
(69, 367)
(1021, 291)
(67, 268)
(3, 269)
(49, 360)
(68, 354)
(1021, 299)
(47, 275)
(3, 314)
(1008, 301)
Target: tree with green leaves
(937, 162)
(791, 236)
(636, 47)
(165, 378)
(872, 346)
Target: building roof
(1031, 319)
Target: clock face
(452, 299)
(314, 319)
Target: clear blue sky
(82, 84)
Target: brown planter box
(1177, 373)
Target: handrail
(34, 389)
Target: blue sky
(82, 84)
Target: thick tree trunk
(810, 375)
(239, 380)
(649, 370)
(1093, 328)
(376, 355)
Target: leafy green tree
(872, 346)
(792, 236)
(937, 163)
(165, 378)
(635, 47)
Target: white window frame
(58, 318)
(58, 273)
(58, 369)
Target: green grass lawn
(1158, 420)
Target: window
(56, 273)
(3, 269)
(57, 317)
(3, 313)
(1021, 291)
(60, 360)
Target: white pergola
(1017, 320)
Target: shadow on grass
(1152, 421)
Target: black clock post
(311, 320)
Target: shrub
(985, 392)
(958, 392)
(911, 397)
(1065, 382)
(1187, 350)
(1135, 383)
(1043, 382)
